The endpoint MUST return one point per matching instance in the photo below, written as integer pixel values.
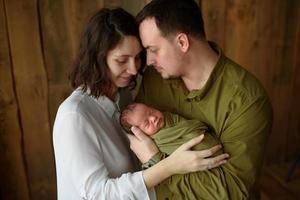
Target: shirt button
(198, 98)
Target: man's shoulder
(241, 80)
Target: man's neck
(202, 60)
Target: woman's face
(124, 61)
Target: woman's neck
(113, 94)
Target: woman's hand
(183, 160)
(142, 145)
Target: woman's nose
(132, 68)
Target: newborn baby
(168, 130)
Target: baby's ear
(127, 129)
(124, 124)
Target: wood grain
(13, 174)
(32, 93)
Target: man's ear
(182, 41)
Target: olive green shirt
(235, 105)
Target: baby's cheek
(153, 130)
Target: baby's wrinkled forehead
(129, 111)
(137, 107)
(134, 107)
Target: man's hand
(142, 145)
(191, 161)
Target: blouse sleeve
(79, 158)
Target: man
(196, 80)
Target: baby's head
(148, 119)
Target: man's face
(162, 53)
(148, 119)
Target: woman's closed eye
(121, 61)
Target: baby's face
(148, 119)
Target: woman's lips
(127, 78)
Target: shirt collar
(109, 106)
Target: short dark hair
(103, 32)
(172, 16)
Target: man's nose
(150, 59)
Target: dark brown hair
(124, 116)
(173, 16)
(103, 32)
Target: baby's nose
(152, 118)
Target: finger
(132, 138)
(138, 133)
(192, 142)
(217, 164)
(215, 161)
(211, 151)
(221, 157)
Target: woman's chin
(124, 84)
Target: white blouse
(93, 159)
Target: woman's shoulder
(78, 102)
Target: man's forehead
(149, 21)
(149, 32)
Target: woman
(93, 159)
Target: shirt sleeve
(244, 138)
(79, 156)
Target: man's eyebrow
(147, 47)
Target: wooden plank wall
(12, 162)
(38, 40)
